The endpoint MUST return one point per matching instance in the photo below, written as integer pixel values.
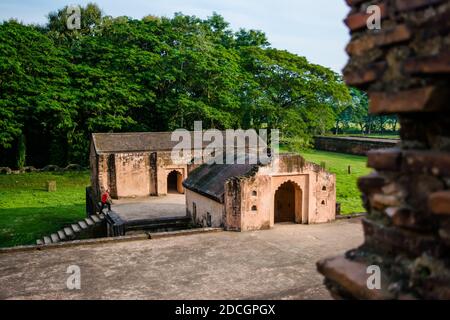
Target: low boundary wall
(352, 145)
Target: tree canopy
(153, 74)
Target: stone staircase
(117, 227)
(75, 231)
(160, 224)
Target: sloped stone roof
(209, 180)
(135, 142)
(141, 142)
(132, 141)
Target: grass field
(28, 211)
(347, 192)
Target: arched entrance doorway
(288, 203)
(174, 182)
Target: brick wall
(351, 145)
(405, 68)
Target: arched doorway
(174, 182)
(288, 203)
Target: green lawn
(347, 192)
(28, 211)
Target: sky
(313, 29)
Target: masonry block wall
(351, 145)
(405, 68)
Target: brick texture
(358, 20)
(405, 5)
(413, 100)
(440, 203)
(384, 159)
(405, 69)
(433, 64)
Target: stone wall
(405, 67)
(165, 166)
(135, 174)
(132, 174)
(204, 211)
(351, 145)
(250, 200)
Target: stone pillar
(153, 173)
(101, 179)
(233, 205)
(112, 181)
(405, 68)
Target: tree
(355, 113)
(35, 99)
(299, 98)
(57, 85)
(91, 19)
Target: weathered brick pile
(405, 68)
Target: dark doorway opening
(174, 182)
(287, 203)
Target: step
(68, 232)
(159, 223)
(39, 242)
(82, 225)
(61, 235)
(101, 216)
(54, 238)
(76, 228)
(156, 235)
(47, 240)
(89, 221)
(95, 218)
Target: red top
(105, 197)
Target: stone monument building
(244, 197)
(135, 164)
(236, 197)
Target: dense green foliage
(355, 117)
(154, 74)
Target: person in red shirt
(106, 200)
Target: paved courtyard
(169, 206)
(273, 264)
